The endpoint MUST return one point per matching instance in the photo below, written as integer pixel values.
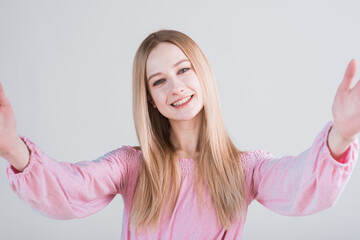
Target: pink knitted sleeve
(64, 190)
(302, 184)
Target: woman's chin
(186, 117)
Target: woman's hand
(346, 113)
(7, 123)
(11, 146)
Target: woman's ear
(151, 101)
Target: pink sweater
(291, 185)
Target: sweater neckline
(186, 164)
(186, 159)
(179, 159)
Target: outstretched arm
(64, 190)
(58, 189)
(303, 184)
(313, 180)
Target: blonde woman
(187, 180)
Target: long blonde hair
(218, 166)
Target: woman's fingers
(349, 75)
(3, 99)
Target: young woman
(187, 180)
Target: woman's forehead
(162, 57)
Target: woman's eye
(162, 80)
(158, 82)
(183, 70)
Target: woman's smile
(182, 102)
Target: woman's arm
(337, 144)
(64, 190)
(314, 179)
(302, 184)
(57, 189)
(18, 155)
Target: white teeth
(181, 101)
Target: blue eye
(184, 69)
(158, 82)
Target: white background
(66, 69)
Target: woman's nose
(177, 87)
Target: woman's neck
(184, 136)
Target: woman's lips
(182, 102)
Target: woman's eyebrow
(176, 64)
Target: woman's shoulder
(253, 157)
(126, 154)
(258, 153)
(133, 149)
(127, 149)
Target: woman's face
(173, 85)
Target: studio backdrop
(66, 69)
